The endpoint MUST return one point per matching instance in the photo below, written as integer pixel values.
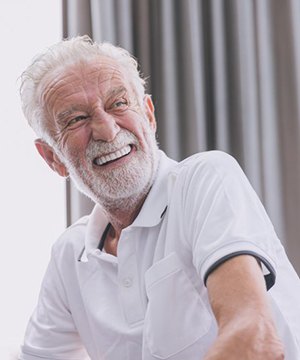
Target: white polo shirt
(151, 301)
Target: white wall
(32, 198)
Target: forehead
(100, 72)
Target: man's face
(104, 138)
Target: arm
(238, 297)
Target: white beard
(121, 186)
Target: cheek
(148, 132)
(136, 124)
(75, 143)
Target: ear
(49, 155)
(149, 109)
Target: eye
(77, 119)
(119, 104)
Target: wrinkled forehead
(100, 70)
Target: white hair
(69, 52)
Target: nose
(104, 127)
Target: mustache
(99, 147)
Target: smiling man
(104, 137)
(177, 260)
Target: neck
(122, 212)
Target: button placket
(128, 281)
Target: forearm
(241, 306)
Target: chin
(123, 183)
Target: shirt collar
(156, 201)
(150, 214)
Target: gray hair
(68, 52)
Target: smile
(102, 160)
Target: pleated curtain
(224, 74)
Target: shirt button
(127, 282)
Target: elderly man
(177, 261)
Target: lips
(104, 159)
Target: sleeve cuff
(222, 255)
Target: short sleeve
(51, 332)
(224, 217)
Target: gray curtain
(224, 74)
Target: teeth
(113, 156)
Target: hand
(256, 340)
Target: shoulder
(215, 160)
(208, 176)
(71, 241)
(206, 166)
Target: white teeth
(113, 156)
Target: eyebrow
(110, 94)
(116, 91)
(65, 113)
